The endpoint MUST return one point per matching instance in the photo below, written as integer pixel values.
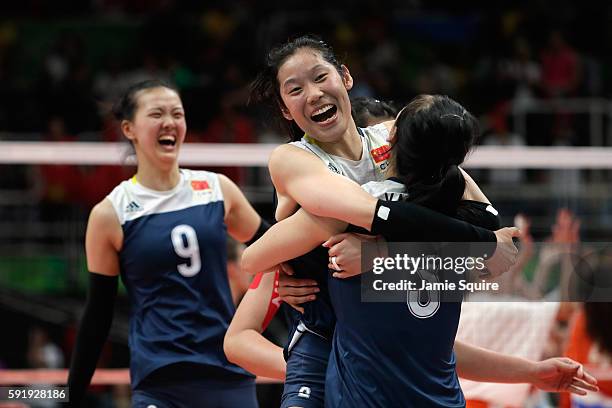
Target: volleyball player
(243, 343)
(304, 79)
(165, 232)
(398, 354)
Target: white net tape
(257, 155)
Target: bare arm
(288, 239)
(555, 374)
(244, 345)
(304, 177)
(103, 240)
(241, 219)
(478, 364)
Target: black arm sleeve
(263, 227)
(396, 220)
(95, 325)
(477, 213)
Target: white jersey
(374, 160)
(387, 190)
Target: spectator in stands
(522, 72)
(560, 67)
(42, 352)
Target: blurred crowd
(547, 306)
(62, 66)
(71, 64)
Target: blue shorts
(196, 393)
(306, 367)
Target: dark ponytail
(433, 136)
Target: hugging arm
(288, 239)
(305, 178)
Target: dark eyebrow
(319, 66)
(160, 108)
(291, 80)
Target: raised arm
(304, 177)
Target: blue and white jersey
(173, 264)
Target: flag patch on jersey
(380, 153)
(199, 185)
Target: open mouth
(324, 113)
(167, 140)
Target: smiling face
(158, 128)
(315, 95)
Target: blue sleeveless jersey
(383, 355)
(318, 315)
(173, 264)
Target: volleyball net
(597, 161)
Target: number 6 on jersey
(185, 242)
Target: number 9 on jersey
(185, 242)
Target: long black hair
(265, 89)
